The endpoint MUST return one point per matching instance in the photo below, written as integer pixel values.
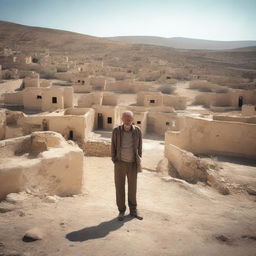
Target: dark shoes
(121, 216)
(135, 214)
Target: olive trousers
(123, 169)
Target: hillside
(184, 43)
(182, 62)
(28, 38)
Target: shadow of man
(94, 232)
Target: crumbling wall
(188, 166)
(192, 169)
(47, 164)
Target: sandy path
(178, 220)
(182, 89)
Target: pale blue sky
(205, 19)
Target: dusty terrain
(179, 218)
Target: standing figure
(126, 149)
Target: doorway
(71, 135)
(100, 121)
(45, 125)
(240, 101)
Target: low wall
(210, 137)
(242, 119)
(99, 148)
(42, 163)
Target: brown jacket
(116, 142)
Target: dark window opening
(78, 81)
(39, 97)
(109, 120)
(82, 82)
(35, 60)
(71, 135)
(152, 101)
(167, 123)
(54, 99)
(168, 77)
(138, 122)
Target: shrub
(205, 89)
(167, 89)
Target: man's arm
(113, 145)
(140, 143)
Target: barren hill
(184, 43)
(29, 38)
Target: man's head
(127, 118)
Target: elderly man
(126, 147)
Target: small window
(78, 81)
(138, 122)
(54, 99)
(109, 120)
(39, 97)
(152, 101)
(167, 123)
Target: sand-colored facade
(47, 99)
(233, 98)
(106, 117)
(74, 124)
(156, 99)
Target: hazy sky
(205, 19)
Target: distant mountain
(184, 43)
(28, 38)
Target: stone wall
(101, 148)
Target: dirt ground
(178, 218)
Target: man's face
(127, 119)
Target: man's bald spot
(127, 113)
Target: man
(126, 148)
